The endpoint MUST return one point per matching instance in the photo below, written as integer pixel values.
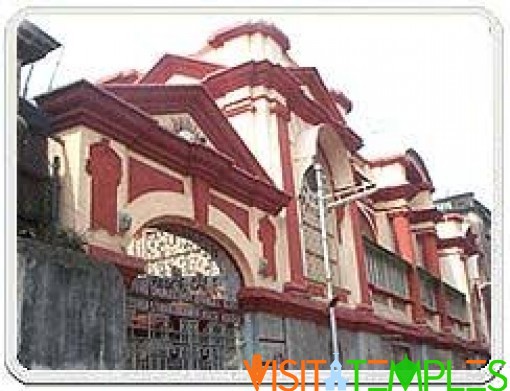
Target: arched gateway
(183, 311)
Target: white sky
(420, 81)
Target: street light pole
(344, 196)
(321, 199)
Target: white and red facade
(255, 122)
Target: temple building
(196, 179)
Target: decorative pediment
(194, 102)
(184, 126)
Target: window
(386, 270)
(418, 245)
(311, 231)
(456, 303)
(427, 291)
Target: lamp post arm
(356, 196)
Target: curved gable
(416, 172)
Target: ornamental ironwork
(183, 313)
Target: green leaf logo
(405, 371)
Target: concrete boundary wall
(70, 310)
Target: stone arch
(322, 139)
(416, 171)
(320, 143)
(184, 309)
(153, 208)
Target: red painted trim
(291, 217)
(267, 236)
(462, 322)
(465, 244)
(406, 191)
(402, 235)
(201, 200)
(385, 292)
(104, 167)
(171, 64)
(310, 78)
(318, 289)
(144, 178)
(129, 266)
(247, 100)
(293, 306)
(238, 215)
(387, 160)
(359, 250)
(415, 294)
(243, 108)
(222, 36)
(122, 77)
(82, 103)
(442, 308)
(453, 217)
(272, 76)
(425, 215)
(195, 101)
(416, 172)
(430, 255)
(340, 98)
(404, 245)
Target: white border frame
(460, 377)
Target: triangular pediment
(171, 65)
(191, 106)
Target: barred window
(386, 270)
(311, 230)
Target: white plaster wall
(449, 229)
(472, 267)
(422, 200)
(75, 181)
(250, 252)
(182, 79)
(453, 269)
(390, 175)
(349, 274)
(259, 131)
(256, 47)
(385, 236)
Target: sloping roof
(33, 43)
(171, 64)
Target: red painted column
(291, 218)
(359, 249)
(201, 200)
(267, 236)
(403, 236)
(430, 257)
(104, 167)
(404, 244)
(431, 260)
(442, 308)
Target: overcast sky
(420, 81)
